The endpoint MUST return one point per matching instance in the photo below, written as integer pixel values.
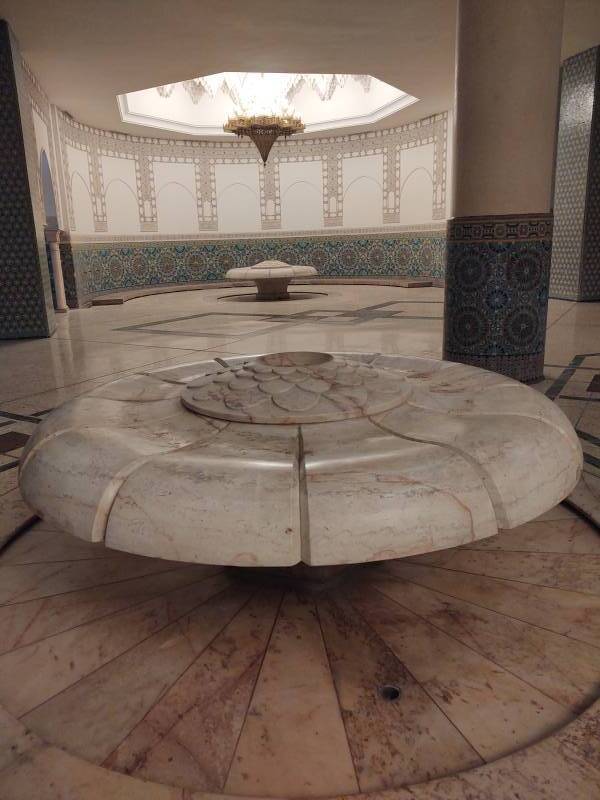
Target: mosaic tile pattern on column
(576, 250)
(590, 266)
(103, 267)
(497, 277)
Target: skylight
(201, 106)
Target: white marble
(373, 496)
(272, 278)
(421, 455)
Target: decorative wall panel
(26, 298)
(209, 160)
(102, 267)
(590, 260)
(497, 274)
(575, 270)
(300, 186)
(142, 211)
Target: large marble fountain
(278, 459)
(272, 277)
(452, 663)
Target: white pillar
(499, 240)
(507, 85)
(53, 239)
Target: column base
(496, 294)
(272, 289)
(301, 577)
(527, 369)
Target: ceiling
(200, 106)
(86, 52)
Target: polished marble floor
(126, 677)
(188, 676)
(93, 346)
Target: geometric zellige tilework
(24, 306)
(496, 301)
(590, 261)
(68, 268)
(575, 272)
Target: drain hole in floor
(389, 693)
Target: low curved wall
(92, 268)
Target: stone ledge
(122, 296)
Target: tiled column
(575, 272)
(25, 297)
(499, 241)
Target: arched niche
(302, 207)
(238, 209)
(83, 210)
(363, 203)
(122, 214)
(416, 197)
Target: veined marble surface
(270, 269)
(300, 457)
(294, 388)
(484, 641)
(272, 278)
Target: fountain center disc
(297, 387)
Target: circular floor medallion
(294, 388)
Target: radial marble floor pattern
(477, 662)
(129, 678)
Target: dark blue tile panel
(497, 277)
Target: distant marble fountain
(325, 459)
(272, 278)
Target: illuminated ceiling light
(263, 106)
(318, 101)
(264, 130)
(264, 89)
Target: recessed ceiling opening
(200, 106)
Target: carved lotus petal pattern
(447, 455)
(292, 388)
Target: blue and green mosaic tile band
(104, 267)
(497, 274)
(575, 271)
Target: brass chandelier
(264, 130)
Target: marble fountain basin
(324, 459)
(272, 278)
